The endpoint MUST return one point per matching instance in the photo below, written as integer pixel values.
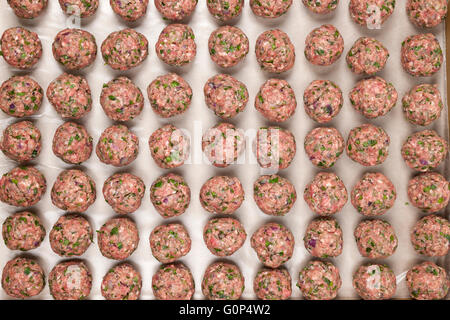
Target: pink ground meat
(431, 236)
(170, 242)
(275, 147)
(270, 8)
(20, 47)
(422, 104)
(374, 282)
(22, 278)
(20, 96)
(427, 281)
(223, 281)
(175, 10)
(72, 143)
(169, 147)
(228, 46)
(170, 195)
(324, 146)
(23, 231)
(367, 56)
(371, 13)
(375, 239)
(224, 236)
(274, 195)
(124, 192)
(275, 52)
(70, 280)
(176, 45)
(273, 284)
(421, 55)
(324, 45)
(222, 195)
(118, 238)
(323, 238)
(123, 282)
(319, 281)
(323, 100)
(429, 192)
(426, 13)
(28, 9)
(21, 141)
(173, 282)
(130, 10)
(225, 10)
(117, 146)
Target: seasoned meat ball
(276, 100)
(321, 7)
(20, 47)
(223, 281)
(27, 9)
(129, 11)
(170, 195)
(72, 143)
(274, 195)
(374, 282)
(176, 45)
(421, 55)
(123, 282)
(228, 46)
(20, 96)
(225, 10)
(319, 281)
(124, 192)
(82, 8)
(324, 146)
(118, 238)
(427, 281)
(272, 284)
(324, 45)
(431, 236)
(170, 242)
(270, 8)
(368, 145)
(274, 51)
(426, 13)
(23, 231)
(173, 282)
(70, 280)
(73, 191)
(422, 104)
(429, 192)
(23, 278)
(225, 95)
(222, 195)
(371, 13)
(121, 99)
(117, 146)
(376, 239)
(323, 100)
(424, 150)
(22, 187)
(323, 238)
(21, 141)
(224, 236)
(175, 10)
(275, 147)
(169, 147)
(367, 56)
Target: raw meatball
(173, 282)
(118, 238)
(70, 95)
(117, 146)
(20, 96)
(170, 195)
(376, 239)
(274, 195)
(73, 191)
(323, 100)
(274, 51)
(225, 95)
(422, 55)
(319, 281)
(423, 104)
(223, 281)
(21, 141)
(70, 280)
(321, 6)
(23, 231)
(23, 278)
(276, 100)
(176, 45)
(373, 195)
(367, 56)
(427, 281)
(431, 236)
(324, 146)
(424, 150)
(124, 49)
(368, 145)
(228, 46)
(72, 143)
(270, 8)
(324, 45)
(124, 192)
(272, 284)
(27, 9)
(224, 236)
(371, 13)
(81, 8)
(20, 47)
(170, 242)
(123, 282)
(374, 282)
(426, 13)
(130, 10)
(274, 244)
(121, 99)
(169, 95)
(275, 147)
(225, 10)
(71, 235)
(222, 144)
(22, 187)
(429, 192)
(175, 10)
(169, 147)
(222, 195)
(323, 238)
(326, 194)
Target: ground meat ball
(169, 147)
(125, 49)
(326, 194)
(129, 10)
(274, 244)
(70, 95)
(82, 8)
(224, 236)
(175, 10)
(367, 56)
(376, 239)
(71, 235)
(20, 47)
(228, 46)
(27, 9)
(72, 143)
(426, 13)
(117, 146)
(274, 51)
(324, 146)
(23, 231)
(423, 104)
(225, 10)
(431, 236)
(374, 282)
(323, 238)
(123, 282)
(169, 95)
(270, 8)
(20, 96)
(273, 284)
(121, 99)
(368, 145)
(22, 187)
(324, 45)
(427, 281)
(173, 282)
(225, 95)
(319, 281)
(373, 195)
(23, 278)
(118, 238)
(21, 141)
(429, 192)
(274, 195)
(421, 55)
(371, 13)
(74, 48)
(73, 191)
(170, 242)
(124, 192)
(176, 45)
(424, 150)
(70, 280)
(222, 195)
(276, 100)
(323, 100)
(321, 6)
(170, 195)
(275, 147)
(223, 281)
